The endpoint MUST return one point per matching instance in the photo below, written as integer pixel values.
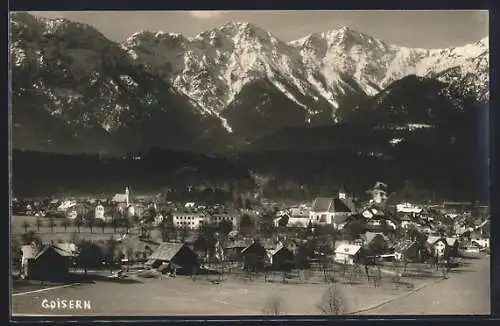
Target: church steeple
(342, 192)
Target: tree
(115, 223)
(110, 250)
(169, 226)
(310, 228)
(90, 224)
(77, 222)
(266, 225)
(246, 224)
(248, 203)
(225, 227)
(90, 255)
(16, 252)
(38, 224)
(65, 224)
(302, 258)
(26, 226)
(333, 301)
(184, 233)
(355, 228)
(377, 246)
(273, 305)
(130, 253)
(29, 237)
(283, 222)
(149, 215)
(164, 231)
(238, 202)
(126, 224)
(101, 223)
(202, 245)
(52, 224)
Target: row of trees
(78, 223)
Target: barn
(174, 257)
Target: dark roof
(324, 204)
(403, 245)
(252, 245)
(166, 251)
(349, 203)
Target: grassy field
(71, 234)
(185, 296)
(59, 232)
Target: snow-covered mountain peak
(151, 37)
(212, 69)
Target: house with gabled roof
(280, 257)
(174, 256)
(332, 210)
(48, 263)
(348, 254)
(254, 256)
(437, 244)
(408, 250)
(233, 250)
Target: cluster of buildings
(448, 228)
(124, 205)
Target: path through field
(465, 292)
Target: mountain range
(74, 90)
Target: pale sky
(425, 29)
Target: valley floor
(466, 291)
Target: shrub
(333, 301)
(273, 305)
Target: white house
(99, 212)
(408, 208)
(347, 254)
(218, 218)
(158, 219)
(379, 193)
(484, 243)
(189, 205)
(122, 198)
(297, 216)
(438, 244)
(65, 205)
(189, 220)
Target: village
(331, 240)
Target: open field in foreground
(466, 291)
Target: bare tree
(273, 306)
(78, 223)
(38, 224)
(52, 224)
(333, 301)
(90, 223)
(130, 253)
(26, 226)
(65, 224)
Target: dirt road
(465, 292)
